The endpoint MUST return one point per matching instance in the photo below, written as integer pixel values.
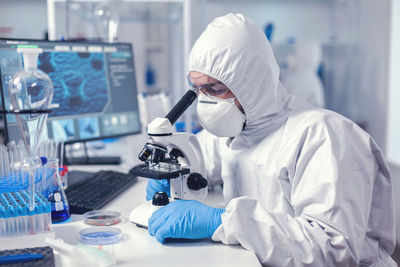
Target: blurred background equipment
(107, 15)
(301, 79)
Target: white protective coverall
(304, 186)
(302, 80)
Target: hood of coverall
(235, 51)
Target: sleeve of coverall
(331, 183)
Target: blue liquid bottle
(56, 196)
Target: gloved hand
(189, 219)
(153, 186)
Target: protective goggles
(213, 89)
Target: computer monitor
(94, 88)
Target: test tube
(23, 211)
(3, 152)
(31, 222)
(6, 216)
(7, 213)
(30, 213)
(38, 171)
(42, 211)
(18, 158)
(6, 162)
(46, 148)
(11, 211)
(11, 155)
(2, 219)
(38, 180)
(18, 214)
(39, 224)
(2, 230)
(1, 166)
(40, 150)
(44, 215)
(22, 155)
(14, 220)
(47, 215)
(18, 162)
(53, 153)
(23, 208)
(9, 163)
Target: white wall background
(374, 38)
(25, 18)
(393, 142)
(393, 129)
(311, 19)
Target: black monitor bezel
(67, 142)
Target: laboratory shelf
(141, 11)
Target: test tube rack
(19, 224)
(14, 179)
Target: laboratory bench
(138, 248)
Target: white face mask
(221, 117)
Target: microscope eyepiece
(181, 106)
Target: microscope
(173, 156)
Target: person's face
(211, 87)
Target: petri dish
(102, 217)
(100, 235)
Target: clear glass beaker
(56, 195)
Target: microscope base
(141, 214)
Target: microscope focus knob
(196, 182)
(160, 199)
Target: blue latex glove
(153, 186)
(189, 219)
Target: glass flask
(106, 14)
(30, 92)
(56, 195)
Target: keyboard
(93, 160)
(96, 190)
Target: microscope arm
(191, 150)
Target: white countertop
(138, 248)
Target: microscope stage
(144, 170)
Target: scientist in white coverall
(303, 186)
(301, 80)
